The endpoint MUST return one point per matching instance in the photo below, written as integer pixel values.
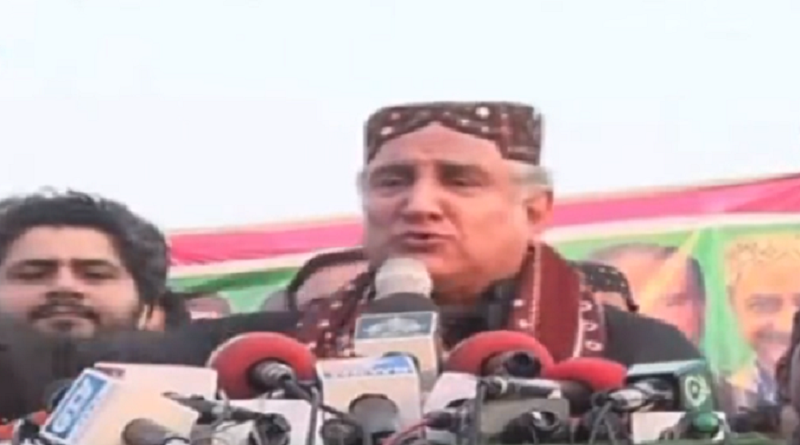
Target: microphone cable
(313, 416)
(451, 420)
(310, 394)
(604, 409)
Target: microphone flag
(412, 333)
(346, 381)
(97, 408)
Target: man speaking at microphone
(459, 187)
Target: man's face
(208, 307)
(68, 280)
(449, 200)
(765, 299)
(664, 289)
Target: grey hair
(532, 178)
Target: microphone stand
(313, 416)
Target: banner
(721, 263)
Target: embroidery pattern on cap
(516, 129)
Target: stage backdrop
(719, 262)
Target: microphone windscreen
(596, 373)
(402, 276)
(236, 358)
(470, 355)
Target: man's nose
(66, 279)
(422, 202)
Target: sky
(202, 113)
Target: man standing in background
(762, 274)
(78, 265)
(206, 305)
(666, 283)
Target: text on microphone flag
(86, 392)
(406, 325)
(365, 367)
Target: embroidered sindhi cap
(515, 128)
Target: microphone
(677, 386)
(381, 393)
(500, 353)
(98, 409)
(271, 429)
(579, 379)
(252, 364)
(450, 395)
(661, 397)
(211, 411)
(575, 382)
(22, 431)
(402, 318)
(296, 414)
(146, 432)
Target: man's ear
(539, 208)
(144, 318)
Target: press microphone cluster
(579, 399)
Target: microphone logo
(395, 326)
(68, 420)
(367, 367)
(696, 391)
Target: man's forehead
(776, 277)
(56, 243)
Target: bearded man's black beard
(28, 361)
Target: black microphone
(535, 427)
(678, 386)
(148, 432)
(378, 416)
(270, 429)
(212, 411)
(499, 387)
(339, 431)
(521, 364)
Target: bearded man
(459, 187)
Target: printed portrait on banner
(666, 282)
(762, 278)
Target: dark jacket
(30, 361)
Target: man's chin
(67, 326)
(769, 356)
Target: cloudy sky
(207, 113)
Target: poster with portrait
(729, 283)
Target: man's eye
(388, 181)
(31, 274)
(462, 182)
(98, 274)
